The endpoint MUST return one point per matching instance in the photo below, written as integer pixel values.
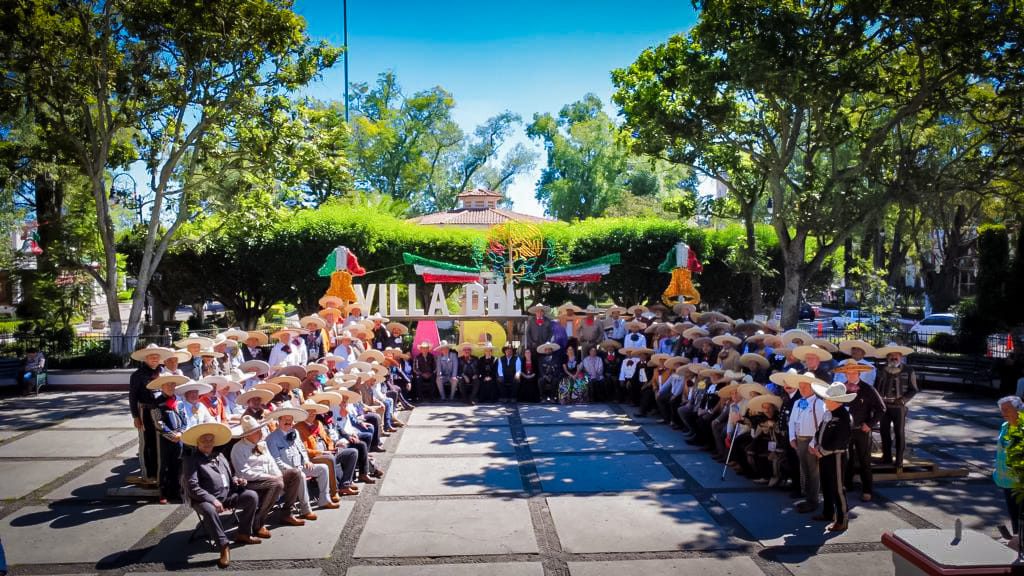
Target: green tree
(810, 93)
(174, 77)
(583, 176)
(410, 148)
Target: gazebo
(477, 209)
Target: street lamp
(124, 190)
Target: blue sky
(524, 56)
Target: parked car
(848, 317)
(807, 312)
(923, 331)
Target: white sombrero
(221, 433)
(835, 392)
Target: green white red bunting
(437, 272)
(589, 271)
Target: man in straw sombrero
(897, 384)
(538, 328)
(807, 413)
(290, 453)
(212, 489)
(549, 372)
(614, 326)
(829, 446)
(253, 462)
(866, 411)
(424, 372)
(141, 402)
(861, 352)
(447, 370)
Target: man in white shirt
(284, 353)
(808, 412)
(635, 339)
(195, 411)
(251, 460)
(344, 351)
(859, 351)
(289, 452)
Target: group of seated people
(780, 407)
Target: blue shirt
(287, 453)
(1001, 475)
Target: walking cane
(728, 457)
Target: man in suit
(212, 488)
(538, 330)
(252, 349)
(424, 371)
(447, 370)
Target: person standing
(865, 410)
(170, 421)
(897, 384)
(469, 381)
(141, 401)
(487, 374)
(590, 333)
(1010, 408)
(807, 414)
(829, 446)
(538, 330)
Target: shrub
(945, 343)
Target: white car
(932, 325)
(848, 317)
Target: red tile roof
(480, 192)
(468, 216)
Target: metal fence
(85, 350)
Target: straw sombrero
(609, 343)
(636, 309)
(660, 357)
(221, 433)
(726, 391)
(676, 361)
(694, 333)
(548, 348)
(163, 353)
(261, 393)
(311, 406)
(893, 348)
(682, 309)
(835, 392)
(332, 398)
(158, 382)
(314, 320)
(316, 369)
(247, 425)
(261, 337)
(193, 338)
(297, 413)
(533, 309)
(797, 336)
(726, 339)
(182, 356)
(255, 366)
(234, 334)
(328, 301)
(792, 379)
(802, 352)
(851, 365)
(371, 356)
(847, 346)
(285, 382)
(615, 308)
(753, 361)
(293, 371)
(825, 345)
(271, 387)
(757, 403)
(751, 389)
(398, 329)
(200, 387)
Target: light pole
(125, 190)
(344, 24)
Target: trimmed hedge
(281, 263)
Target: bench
(11, 372)
(965, 370)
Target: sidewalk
(502, 491)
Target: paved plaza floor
(525, 490)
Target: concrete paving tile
(458, 415)
(18, 479)
(603, 473)
(62, 534)
(314, 540)
(491, 569)
(668, 438)
(292, 572)
(708, 473)
(448, 476)
(32, 418)
(7, 434)
(131, 452)
(839, 564)
(447, 528)
(583, 438)
(738, 566)
(577, 414)
(980, 507)
(460, 440)
(98, 418)
(772, 519)
(949, 428)
(66, 443)
(657, 523)
(215, 572)
(96, 481)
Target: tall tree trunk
(848, 262)
(756, 301)
(793, 269)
